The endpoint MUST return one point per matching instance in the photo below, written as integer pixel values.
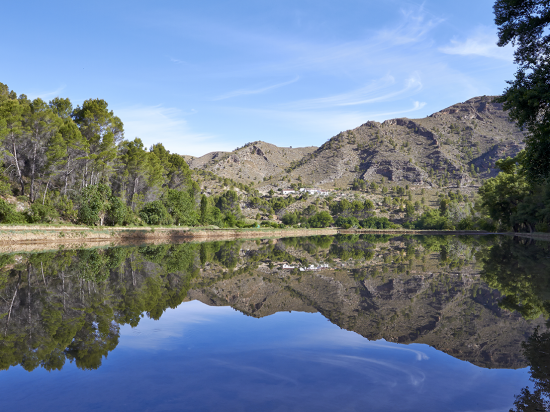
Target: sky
(215, 75)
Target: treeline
(73, 164)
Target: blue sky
(214, 75)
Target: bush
(321, 219)
(433, 220)
(39, 213)
(155, 213)
(346, 222)
(8, 213)
(94, 201)
(290, 219)
(117, 212)
(181, 207)
(378, 223)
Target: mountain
(455, 146)
(253, 162)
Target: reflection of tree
(69, 305)
(520, 270)
(537, 352)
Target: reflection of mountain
(69, 305)
(464, 322)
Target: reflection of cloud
(481, 43)
(354, 340)
(154, 124)
(244, 92)
(151, 334)
(415, 379)
(253, 370)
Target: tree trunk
(67, 173)
(33, 170)
(19, 174)
(45, 191)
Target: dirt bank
(37, 238)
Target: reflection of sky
(201, 358)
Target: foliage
(8, 214)
(525, 24)
(39, 213)
(377, 223)
(432, 219)
(321, 219)
(94, 200)
(181, 206)
(346, 222)
(155, 213)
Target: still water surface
(346, 323)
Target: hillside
(455, 146)
(253, 162)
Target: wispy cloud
(374, 92)
(243, 92)
(46, 95)
(482, 43)
(415, 25)
(154, 124)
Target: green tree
(502, 194)
(526, 24)
(321, 219)
(102, 131)
(11, 111)
(181, 207)
(41, 124)
(94, 201)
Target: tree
(525, 24)
(181, 207)
(65, 149)
(41, 124)
(94, 203)
(321, 219)
(102, 131)
(502, 194)
(11, 111)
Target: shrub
(290, 219)
(117, 212)
(94, 201)
(181, 207)
(346, 222)
(321, 219)
(39, 213)
(8, 213)
(432, 219)
(378, 223)
(155, 213)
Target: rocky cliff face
(459, 143)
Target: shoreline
(42, 238)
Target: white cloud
(482, 43)
(323, 122)
(369, 94)
(244, 92)
(154, 124)
(46, 95)
(414, 26)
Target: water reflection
(474, 298)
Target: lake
(325, 323)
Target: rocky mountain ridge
(455, 146)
